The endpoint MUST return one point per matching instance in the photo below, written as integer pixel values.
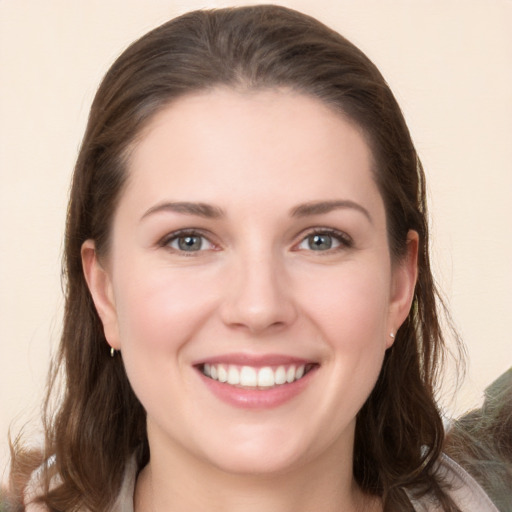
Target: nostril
(257, 318)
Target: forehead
(273, 145)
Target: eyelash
(183, 233)
(344, 240)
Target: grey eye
(323, 241)
(190, 243)
(320, 242)
(187, 243)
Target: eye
(324, 240)
(187, 241)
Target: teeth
(250, 377)
(280, 376)
(266, 377)
(222, 374)
(233, 376)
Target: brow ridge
(323, 207)
(213, 212)
(187, 208)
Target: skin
(255, 287)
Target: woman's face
(249, 284)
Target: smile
(250, 381)
(251, 377)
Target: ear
(100, 286)
(405, 274)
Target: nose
(258, 296)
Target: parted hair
(98, 424)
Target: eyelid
(166, 240)
(345, 240)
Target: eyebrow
(199, 209)
(213, 212)
(322, 207)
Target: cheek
(350, 307)
(351, 313)
(159, 309)
(159, 313)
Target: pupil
(190, 243)
(320, 242)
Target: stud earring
(392, 335)
(112, 351)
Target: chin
(261, 464)
(258, 456)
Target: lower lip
(257, 398)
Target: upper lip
(255, 360)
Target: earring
(391, 335)
(112, 351)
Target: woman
(251, 319)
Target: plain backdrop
(448, 62)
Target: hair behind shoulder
(99, 423)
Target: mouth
(256, 382)
(256, 377)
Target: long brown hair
(99, 423)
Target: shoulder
(36, 488)
(463, 488)
(460, 486)
(124, 502)
(481, 442)
(477, 466)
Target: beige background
(449, 63)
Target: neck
(174, 484)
